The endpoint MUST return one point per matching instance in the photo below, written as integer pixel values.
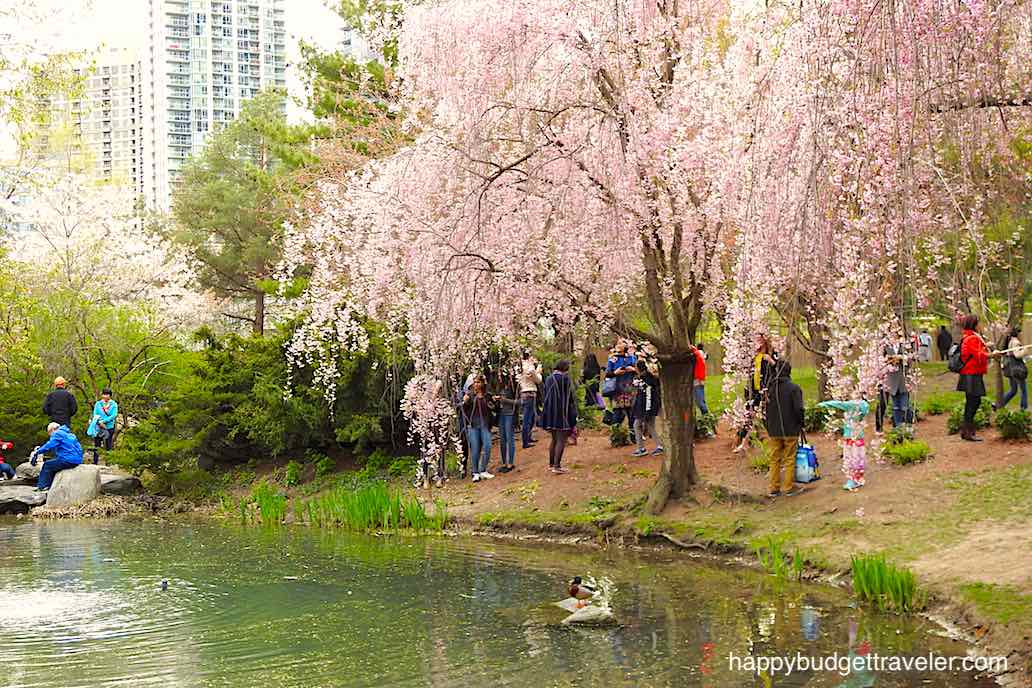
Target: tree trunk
(259, 313)
(678, 472)
(823, 384)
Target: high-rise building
(204, 59)
(107, 120)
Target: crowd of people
(60, 407)
(511, 401)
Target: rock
(18, 499)
(74, 486)
(27, 470)
(119, 483)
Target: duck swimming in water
(581, 590)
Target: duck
(581, 590)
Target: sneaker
(657, 450)
(487, 475)
(639, 452)
(476, 477)
(851, 485)
(772, 495)
(794, 491)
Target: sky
(122, 24)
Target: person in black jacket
(943, 342)
(559, 416)
(647, 403)
(60, 404)
(784, 425)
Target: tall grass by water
(373, 507)
(883, 585)
(266, 504)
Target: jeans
(507, 439)
(479, 447)
(557, 447)
(1017, 384)
(529, 402)
(700, 399)
(900, 408)
(645, 427)
(105, 438)
(50, 469)
(8, 470)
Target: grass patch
(940, 403)
(373, 507)
(265, 505)
(772, 553)
(1001, 603)
(907, 452)
(884, 586)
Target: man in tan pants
(784, 425)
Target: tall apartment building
(204, 59)
(107, 120)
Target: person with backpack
(506, 396)
(648, 401)
(970, 360)
(762, 373)
(1014, 368)
(559, 416)
(621, 369)
(784, 426)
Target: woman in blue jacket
(102, 423)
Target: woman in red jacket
(975, 355)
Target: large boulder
(18, 499)
(74, 486)
(27, 471)
(118, 483)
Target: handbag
(607, 417)
(807, 468)
(609, 387)
(1015, 367)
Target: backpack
(954, 361)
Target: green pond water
(81, 604)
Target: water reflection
(246, 607)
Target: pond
(82, 604)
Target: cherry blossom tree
(637, 165)
(863, 190)
(573, 161)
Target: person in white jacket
(530, 378)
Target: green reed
(271, 506)
(373, 507)
(883, 585)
